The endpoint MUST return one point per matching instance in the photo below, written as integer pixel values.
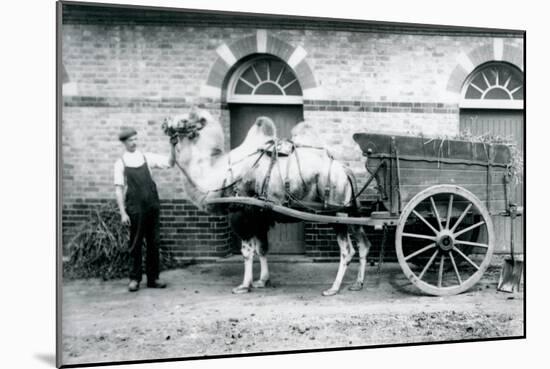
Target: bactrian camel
(305, 174)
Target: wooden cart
(443, 194)
(439, 195)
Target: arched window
(494, 86)
(265, 80)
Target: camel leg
(264, 274)
(364, 246)
(247, 250)
(346, 255)
(261, 251)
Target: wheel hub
(445, 241)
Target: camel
(308, 174)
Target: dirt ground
(196, 315)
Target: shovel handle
(513, 212)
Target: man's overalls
(142, 205)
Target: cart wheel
(444, 217)
(421, 259)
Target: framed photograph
(241, 184)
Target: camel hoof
(261, 284)
(241, 289)
(357, 286)
(330, 292)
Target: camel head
(188, 125)
(196, 129)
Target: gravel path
(197, 315)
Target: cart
(439, 197)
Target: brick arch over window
(498, 50)
(260, 43)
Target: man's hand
(125, 219)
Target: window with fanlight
(265, 80)
(494, 86)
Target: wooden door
(283, 238)
(506, 124)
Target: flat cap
(126, 133)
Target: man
(138, 202)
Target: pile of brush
(99, 248)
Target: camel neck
(204, 178)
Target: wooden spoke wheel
(414, 244)
(444, 240)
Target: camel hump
(266, 127)
(262, 130)
(304, 133)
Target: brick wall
(134, 68)
(192, 234)
(320, 240)
(320, 243)
(186, 233)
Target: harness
(273, 149)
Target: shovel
(510, 277)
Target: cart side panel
(432, 148)
(422, 165)
(414, 180)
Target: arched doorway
(492, 104)
(267, 86)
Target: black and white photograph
(284, 184)
(237, 184)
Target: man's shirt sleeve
(157, 161)
(119, 173)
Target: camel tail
(352, 180)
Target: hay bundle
(516, 160)
(99, 249)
